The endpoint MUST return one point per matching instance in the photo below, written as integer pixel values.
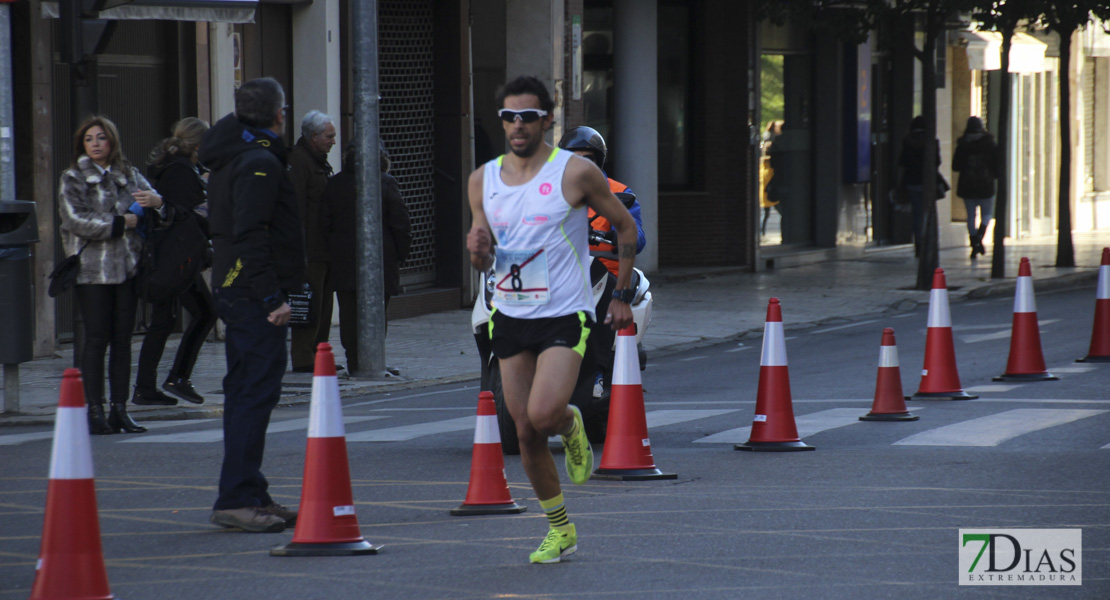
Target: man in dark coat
(258, 245)
(340, 222)
(309, 172)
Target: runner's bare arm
(478, 240)
(595, 192)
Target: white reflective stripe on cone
(325, 417)
(774, 345)
(1103, 283)
(938, 309)
(71, 457)
(888, 356)
(626, 363)
(485, 430)
(1024, 302)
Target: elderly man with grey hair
(309, 172)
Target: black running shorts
(510, 336)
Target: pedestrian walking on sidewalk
(527, 209)
(976, 158)
(309, 171)
(176, 175)
(101, 198)
(340, 223)
(911, 162)
(258, 244)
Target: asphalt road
(874, 512)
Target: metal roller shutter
(406, 81)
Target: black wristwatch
(626, 296)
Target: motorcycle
(592, 388)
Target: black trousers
(348, 326)
(197, 300)
(256, 355)
(108, 312)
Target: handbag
(942, 186)
(171, 258)
(65, 273)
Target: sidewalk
(693, 307)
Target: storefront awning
(213, 11)
(984, 52)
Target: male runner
(529, 210)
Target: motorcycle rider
(588, 143)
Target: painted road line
(999, 335)
(690, 358)
(839, 327)
(662, 418)
(1041, 401)
(208, 436)
(1073, 369)
(995, 429)
(807, 425)
(408, 432)
(992, 388)
(19, 438)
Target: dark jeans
(197, 300)
(108, 312)
(256, 355)
(348, 326)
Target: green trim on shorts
(581, 347)
(489, 329)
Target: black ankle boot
(119, 420)
(98, 424)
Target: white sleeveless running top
(543, 258)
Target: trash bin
(18, 230)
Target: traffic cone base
(1094, 359)
(1026, 377)
(957, 395)
(627, 452)
(751, 446)
(906, 416)
(336, 549)
(631, 474)
(508, 508)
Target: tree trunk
(1002, 200)
(1065, 251)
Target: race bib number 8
(522, 277)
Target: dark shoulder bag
(64, 275)
(171, 258)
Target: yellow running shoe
(579, 454)
(557, 544)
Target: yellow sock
(556, 511)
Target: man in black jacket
(259, 255)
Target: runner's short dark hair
(258, 101)
(526, 84)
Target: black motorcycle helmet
(585, 138)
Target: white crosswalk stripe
(662, 418)
(997, 428)
(807, 425)
(408, 432)
(217, 434)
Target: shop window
(675, 77)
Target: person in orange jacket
(587, 142)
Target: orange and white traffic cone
(627, 453)
(326, 523)
(1026, 362)
(1100, 334)
(488, 492)
(773, 428)
(939, 378)
(889, 403)
(71, 563)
